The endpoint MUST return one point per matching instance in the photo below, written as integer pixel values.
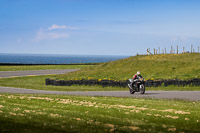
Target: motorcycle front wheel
(130, 89)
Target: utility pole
(183, 49)
(159, 49)
(165, 50)
(198, 49)
(154, 51)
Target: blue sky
(97, 27)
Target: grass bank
(169, 66)
(38, 67)
(51, 113)
(38, 83)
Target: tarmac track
(183, 95)
(186, 95)
(7, 74)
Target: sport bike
(137, 86)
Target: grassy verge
(38, 83)
(51, 113)
(39, 67)
(170, 66)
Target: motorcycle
(137, 86)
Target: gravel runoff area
(7, 74)
(186, 95)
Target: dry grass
(51, 113)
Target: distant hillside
(169, 66)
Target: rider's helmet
(138, 73)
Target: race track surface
(186, 95)
(7, 74)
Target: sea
(56, 59)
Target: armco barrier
(104, 83)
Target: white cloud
(45, 35)
(55, 26)
(52, 33)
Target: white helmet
(138, 73)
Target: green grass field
(38, 67)
(53, 113)
(38, 83)
(170, 66)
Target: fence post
(183, 49)
(177, 49)
(165, 50)
(154, 51)
(148, 51)
(191, 48)
(171, 52)
(198, 49)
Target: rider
(135, 77)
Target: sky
(98, 27)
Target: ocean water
(55, 59)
